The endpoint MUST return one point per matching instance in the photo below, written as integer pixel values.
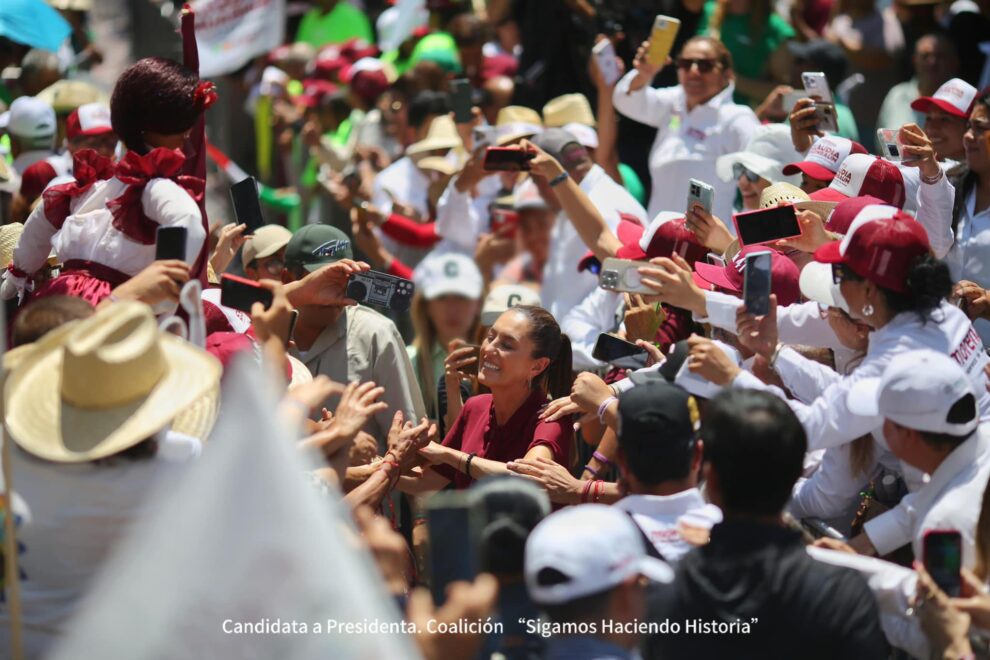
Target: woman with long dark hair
(524, 359)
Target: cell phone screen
(460, 100)
(453, 551)
(943, 560)
(239, 293)
(507, 159)
(756, 283)
(613, 350)
(247, 206)
(766, 225)
(170, 243)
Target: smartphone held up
(507, 159)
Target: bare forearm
(371, 492)
(587, 220)
(606, 154)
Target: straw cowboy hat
(442, 134)
(106, 384)
(9, 235)
(515, 122)
(568, 109)
(786, 193)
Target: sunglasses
(704, 66)
(740, 170)
(840, 273)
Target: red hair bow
(88, 167)
(205, 95)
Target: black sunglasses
(840, 273)
(704, 65)
(738, 170)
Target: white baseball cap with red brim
(825, 157)
(863, 174)
(954, 97)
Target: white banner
(230, 33)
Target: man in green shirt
(334, 22)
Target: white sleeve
(168, 204)
(457, 220)
(35, 242)
(893, 528)
(747, 380)
(935, 202)
(804, 323)
(379, 195)
(740, 130)
(591, 317)
(831, 490)
(720, 309)
(646, 105)
(804, 378)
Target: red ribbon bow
(137, 171)
(88, 167)
(205, 95)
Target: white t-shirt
(658, 516)
(69, 517)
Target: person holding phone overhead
(102, 225)
(524, 358)
(696, 120)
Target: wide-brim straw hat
(786, 193)
(105, 384)
(9, 235)
(442, 135)
(515, 122)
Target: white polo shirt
(952, 499)
(563, 286)
(658, 516)
(687, 143)
(969, 258)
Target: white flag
(242, 543)
(229, 33)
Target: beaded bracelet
(467, 464)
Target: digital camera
(381, 290)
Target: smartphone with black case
(766, 225)
(170, 243)
(756, 283)
(942, 550)
(240, 293)
(460, 100)
(619, 352)
(454, 525)
(507, 159)
(247, 204)
(381, 290)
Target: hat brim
(817, 285)
(828, 195)
(514, 137)
(102, 130)
(452, 288)
(814, 170)
(714, 275)
(829, 253)
(863, 398)
(269, 251)
(926, 103)
(43, 425)
(431, 144)
(821, 209)
(656, 570)
(767, 168)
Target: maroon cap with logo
(863, 174)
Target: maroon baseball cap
(629, 232)
(825, 157)
(842, 216)
(35, 179)
(882, 245)
(784, 275)
(863, 174)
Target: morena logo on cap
(331, 248)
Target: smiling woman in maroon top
(524, 358)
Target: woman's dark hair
(510, 508)
(155, 94)
(549, 342)
(928, 284)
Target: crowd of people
(804, 480)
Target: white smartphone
(605, 58)
(701, 193)
(890, 146)
(622, 275)
(816, 86)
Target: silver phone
(701, 193)
(622, 275)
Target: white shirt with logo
(659, 515)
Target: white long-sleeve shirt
(462, 218)
(687, 142)
(599, 312)
(969, 258)
(934, 211)
(829, 422)
(563, 286)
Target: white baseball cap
(864, 174)
(768, 150)
(920, 390)
(823, 160)
(29, 117)
(955, 97)
(505, 297)
(586, 135)
(527, 196)
(818, 285)
(448, 274)
(594, 546)
(265, 242)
